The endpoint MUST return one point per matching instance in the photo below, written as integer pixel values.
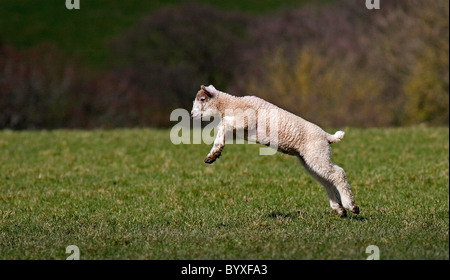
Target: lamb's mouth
(195, 116)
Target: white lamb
(294, 136)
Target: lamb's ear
(210, 94)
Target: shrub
(363, 67)
(40, 88)
(173, 51)
(37, 88)
(336, 65)
(113, 100)
(427, 89)
(409, 55)
(320, 90)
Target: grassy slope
(132, 194)
(85, 32)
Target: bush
(354, 66)
(320, 90)
(427, 89)
(37, 88)
(40, 88)
(409, 55)
(172, 52)
(336, 65)
(114, 100)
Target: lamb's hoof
(355, 209)
(209, 160)
(212, 158)
(341, 212)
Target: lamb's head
(205, 103)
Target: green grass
(85, 33)
(132, 194)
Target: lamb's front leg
(217, 148)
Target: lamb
(291, 135)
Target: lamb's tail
(336, 137)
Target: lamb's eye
(202, 99)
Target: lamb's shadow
(278, 214)
(300, 214)
(358, 218)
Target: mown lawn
(132, 194)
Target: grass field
(132, 194)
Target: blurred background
(130, 63)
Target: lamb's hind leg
(338, 178)
(334, 176)
(333, 194)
